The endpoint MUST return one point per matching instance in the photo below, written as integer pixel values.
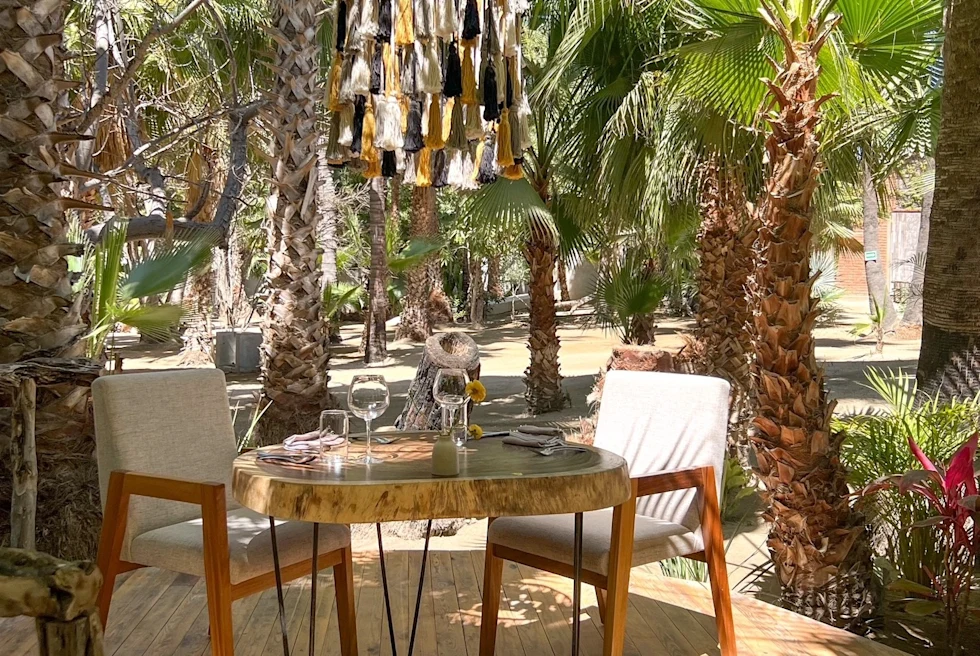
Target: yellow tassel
(405, 30)
(368, 152)
(513, 172)
(373, 169)
(447, 119)
(469, 76)
(505, 156)
(333, 101)
(434, 138)
(477, 159)
(423, 176)
(391, 75)
(404, 103)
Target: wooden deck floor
(164, 614)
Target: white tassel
(354, 37)
(455, 175)
(408, 177)
(346, 126)
(468, 163)
(361, 74)
(388, 135)
(508, 33)
(500, 65)
(430, 72)
(424, 19)
(400, 157)
(472, 122)
(446, 18)
(524, 118)
(369, 18)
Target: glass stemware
(334, 424)
(449, 391)
(368, 398)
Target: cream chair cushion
(178, 547)
(552, 536)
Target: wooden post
(23, 465)
(452, 350)
(61, 596)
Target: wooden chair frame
(613, 589)
(220, 591)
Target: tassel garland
(477, 159)
(389, 164)
(336, 70)
(453, 85)
(345, 119)
(405, 30)
(346, 95)
(440, 169)
(505, 156)
(361, 75)
(368, 151)
(487, 171)
(376, 71)
(357, 132)
(373, 169)
(472, 122)
(469, 75)
(454, 177)
(369, 19)
(513, 172)
(413, 132)
(424, 19)
(430, 75)
(408, 175)
(340, 28)
(491, 109)
(409, 79)
(445, 18)
(384, 21)
(423, 174)
(457, 130)
(471, 20)
(515, 134)
(433, 138)
(389, 123)
(334, 151)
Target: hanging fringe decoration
(487, 171)
(430, 74)
(457, 130)
(491, 109)
(469, 169)
(336, 70)
(346, 95)
(469, 75)
(515, 133)
(361, 77)
(440, 169)
(384, 21)
(376, 70)
(445, 18)
(413, 134)
(392, 75)
(424, 19)
(389, 164)
(472, 122)
(357, 138)
(455, 176)
(403, 105)
(433, 138)
(513, 172)
(345, 118)
(340, 27)
(405, 30)
(354, 38)
(369, 153)
(453, 86)
(509, 92)
(389, 124)
(477, 160)
(423, 174)
(408, 175)
(369, 19)
(471, 20)
(334, 152)
(447, 118)
(505, 156)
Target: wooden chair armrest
(669, 481)
(165, 487)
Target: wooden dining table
(495, 480)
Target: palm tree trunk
(477, 294)
(878, 296)
(495, 284)
(416, 323)
(818, 543)
(562, 279)
(949, 359)
(326, 207)
(912, 316)
(376, 345)
(543, 392)
(295, 352)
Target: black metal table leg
(282, 609)
(313, 581)
(418, 595)
(577, 585)
(384, 585)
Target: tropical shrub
(626, 295)
(875, 445)
(950, 494)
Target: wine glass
(449, 391)
(334, 424)
(368, 398)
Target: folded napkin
(540, 430)
(312, 441)
(534, 441)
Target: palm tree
(416, 320)
(375, 343)
(295, 347)
(950, 352)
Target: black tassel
(413, 129)
(510, 88)
(389, 164)
(491, 110)
(471, 20)
(358, 126)
(452, 86)
(384, 21)
(487, 172)
(341, 26)
(440, 168)
(377, 70)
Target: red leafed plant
(951, 492)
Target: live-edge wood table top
(495, 480)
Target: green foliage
(876, 445)
(736, 488)
(342, 297)
(684, 568)
(625, 292)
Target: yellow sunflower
(475, 431)
(476, 391)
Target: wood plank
(325, 599)
(682, 618)
(330, 646)
(558, 591)
(425, 639)
(144, 634)
(132, 600)
(448, 621)
(534, 634)
(468, 599)
(273, 643)
(173, 631)
(508, 640)
(370, 609)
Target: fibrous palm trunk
(495, 284)
(477, 293)
(326, 207)
(912, 316)
(294, 349)
(376, 345)
(879, 300)
(949, 361)
(562, 274)
(543, 392)
(724, 313)
(818, 544)
(415, 323)
(37, 316)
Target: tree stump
(61, 595)
(453, 350)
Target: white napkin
(312, 441)
(540, 430)
(533, 441)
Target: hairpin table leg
(384, 585)
(316, 552)
(282, 609)
(577, 585)
(418, 595)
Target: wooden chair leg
(111, 539)
(343, 578)
(217, 575)
(618, 582)
(714, 550)
(493, 574)
(600, 596)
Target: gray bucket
(237, 351)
